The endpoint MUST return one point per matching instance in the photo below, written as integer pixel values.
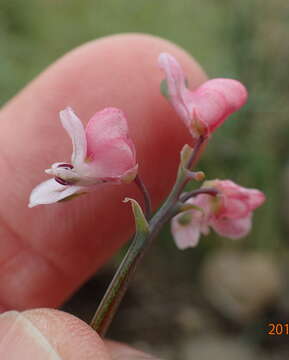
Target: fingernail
(20, 339)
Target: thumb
(53, 335)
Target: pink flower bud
(235, 205)
(102, 153)
(207, 107)
(229, 213)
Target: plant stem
(140, 244)
(118, 286)
(147, 199)
(190, 194)
(197, 151)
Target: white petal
(65, 174)
(186, 235)
(50, 191)
(75, 129)
(176, 85)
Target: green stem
(140, 244)
(118, 285)
(180, 183)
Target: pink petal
(75, 130)
(203, 201)
(238, 201)
(176, 85)
(232, 228)
(110, 151)
(255, 198)
(234, 208)
(50, 191)
(105, 125)
(230, 188)
(206, 108)
(187, 235)
(112, 159)
(216, 99)
(233, 91)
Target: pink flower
(102, 153)
(207, 107)
(229, 213)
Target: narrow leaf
(140, 220)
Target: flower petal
(238, 201)
(50, 191)
(216, 99)
(112, 159)
(75, 129)
(206, 108)
(105, 125)
(255, 198)
(232, 90)
(187, 234)
(109, 149)
(232, 228)
(234, 208)
(176, 85)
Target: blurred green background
(187, 304)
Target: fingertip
(54, 335)
(70, 337)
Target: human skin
(40, 247)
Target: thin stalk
(197, 151)
(147, 199)
(118, 286)
(193, 193)
(120, 282)
(140, 244)
(180, 183)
